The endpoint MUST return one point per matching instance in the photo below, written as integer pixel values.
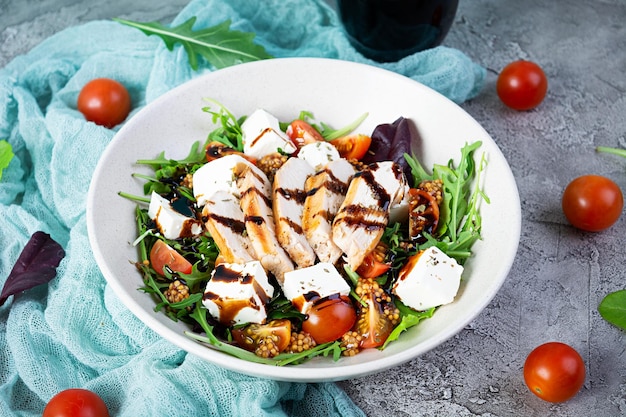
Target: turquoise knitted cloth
(74, 332)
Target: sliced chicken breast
(326, 191)
(224, 220)
(364, 214)
(288, 197)
(255, 203)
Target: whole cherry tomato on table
(522, 85)
(554, 372)
(76, 402)
(592, 202)
(104, 101)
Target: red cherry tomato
(522, 85)
(76, 402)
(329, 319)
(302, 133)
(592, 202)
(554, 372)
(104, 101)
(163, 254)
(371, 267)
(352, 146)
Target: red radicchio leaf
(36, 265)
(390, 142)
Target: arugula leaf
(219, 45)
(6, 154)
(36, 265)
(409, 319)
(229, 132)
(460, 220)
(613, 308)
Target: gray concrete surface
(560, 274)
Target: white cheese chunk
(262, 136)
(304, 286)
(429, 279)
(319, 154)
(219, 175)
(170, 222)
(237, 293)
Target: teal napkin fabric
(74, 332)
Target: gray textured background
(560, 274)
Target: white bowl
(337, 92)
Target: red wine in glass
(388, 30)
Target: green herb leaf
(6, 154)
(409, 319)
(613, 308)
(219, 45)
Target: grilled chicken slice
(255, 190)
(326, 191)
(364, 214)
(288, 196)
(224, 220)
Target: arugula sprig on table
(219, 45)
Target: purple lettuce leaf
(36, 265)
(390, 142)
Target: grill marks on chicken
(325, 192)
(255, 203)
(303, 216)
(288, 197)
(224, 220)
(364, 213)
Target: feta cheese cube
(170, 222)
(219, 175)
(237, 294)
(430, 279)
(262, 136)
(319, 154)
(304, 286)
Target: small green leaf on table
(219, 45)
(613, 308)
(6, 154)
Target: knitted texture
(74, 332)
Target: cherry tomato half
(76, 402)
(522, 85)
(352, 146)
(371, 267)
(592, 202)
(264, 339)
(302, 133)
(163, 254)
(554, 372)
(329, 319)
(104, 101)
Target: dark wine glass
(388, 30)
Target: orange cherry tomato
(329, 318)
(554, 372)
(76, 402)
(163, 254)
(352, 146)
(104, 101)
(302, 133)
